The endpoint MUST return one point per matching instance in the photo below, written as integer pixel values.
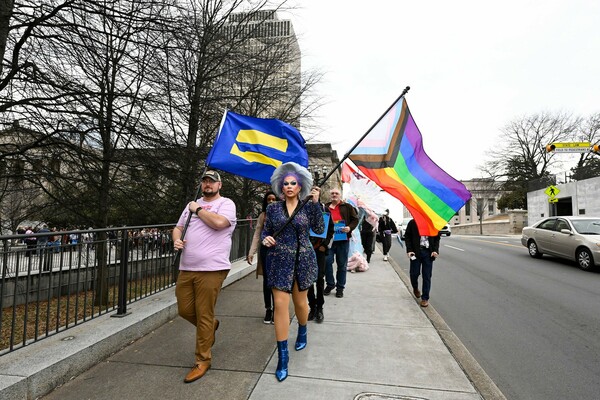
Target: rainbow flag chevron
(392, 155)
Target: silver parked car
(573, 238)
(402, 227)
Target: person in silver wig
(291, 263)
(301, 174)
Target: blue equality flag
(253, 147)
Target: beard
(209, 194)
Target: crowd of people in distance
(57, 239)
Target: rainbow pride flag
(392, 155)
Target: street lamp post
(319, 172)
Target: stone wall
(511, 225)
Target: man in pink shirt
(204, 265)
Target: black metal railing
(56, 280)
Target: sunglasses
(293, 183)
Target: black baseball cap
(214, 175)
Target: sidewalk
(375, 343)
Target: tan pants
(197, 294)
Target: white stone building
(574, 198)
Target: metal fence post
(123, 271)
(4, 273)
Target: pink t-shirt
(207, 249)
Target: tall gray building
(275, 77)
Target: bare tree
(21, 24)
(102, 79)
(108, 78)
(225, 55)
(95, 58)
(90, 89)
(6, 10)
(588, 164)
(522, 157)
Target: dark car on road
(572, 238)
(446, 231)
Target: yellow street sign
(569, 147)
(563, 145)
(552, 191)
(552, 200)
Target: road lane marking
(455, 248)
(499, 243)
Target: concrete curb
(35, 370)
(482, 382)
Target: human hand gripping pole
(187, 223)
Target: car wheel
(585, 260)
(533, 249)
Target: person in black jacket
(422, 251)
(367, 234)
(316, 301)
(386, 228)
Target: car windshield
(587, 226)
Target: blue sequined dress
(293, 256)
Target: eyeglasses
(293, 183)
(334, 193)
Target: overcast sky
(473, 66)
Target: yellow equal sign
(252, 136)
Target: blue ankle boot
(302, 337)
(282, 362)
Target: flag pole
(406, 89)
(332, 171)
(187, 222)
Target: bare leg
(282, 314)
(300, 300)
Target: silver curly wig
(301, 174)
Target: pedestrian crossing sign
(552, 191)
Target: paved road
(533, 325)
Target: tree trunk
(102, 288)
(6, 8)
